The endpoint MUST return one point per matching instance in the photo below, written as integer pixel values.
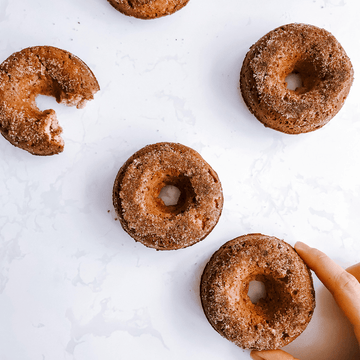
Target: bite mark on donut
(52, 127)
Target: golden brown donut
(277, 319)
(146, 218)
(322, 64)
(41, 70)
(148, 9)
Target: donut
(148, 9)
(272, 322)
(319, 60)
(146, 218)
(41, 70)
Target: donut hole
(293, 81)
(170, 194)
(278, 296)
(303, 76)
(181, 191)
(46, 102)
(256, 291)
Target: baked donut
(317, 57)
(272, 322)
(148, 9)
(146, 218)
(41, 70)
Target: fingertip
(302, 247)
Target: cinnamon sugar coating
(148, 9)
(277, 319)
(322, 64)
(146, 218)
(41, 70)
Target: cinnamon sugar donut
(148, 9)
(41, 70)
(277, 319)
(317, 57)
(146, 218)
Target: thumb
(271, 355)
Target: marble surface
(73, 284)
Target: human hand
(344, 285)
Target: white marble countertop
(73, 284)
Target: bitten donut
(148, 9)
(272, 322)
(319, 60)
(146, 218)
(41, 70)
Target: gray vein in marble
(334, 3)
(9, 251)
(103, 324)
(129, 58)
(95, 284)
(179, 104)
(3, 6)
(166, 59)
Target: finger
(344, 286)
(354, 270)
(271, 355)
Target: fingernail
(255, 356)
(301, 246)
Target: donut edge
(145, 11)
